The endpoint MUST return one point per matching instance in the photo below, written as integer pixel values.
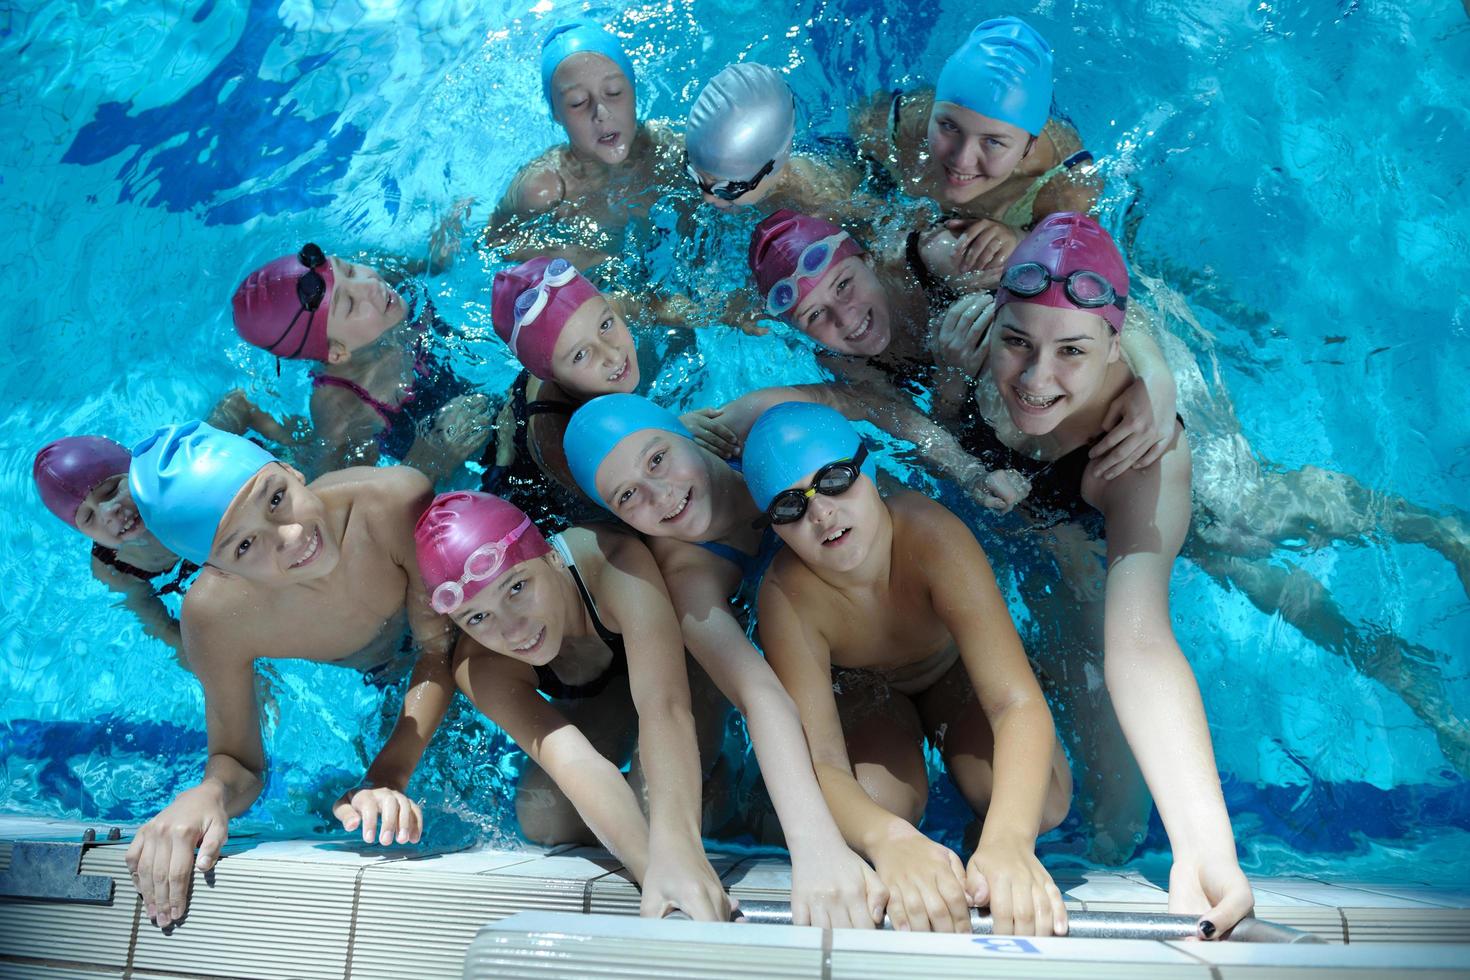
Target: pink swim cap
(269, 312)
(1063, 245)
(68, 469)
(780, 244)
(543, 293)
(466, 540)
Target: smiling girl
(566, 642)
(984, 144)
(385, 386)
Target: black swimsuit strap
(613, 640)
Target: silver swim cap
(744, 118)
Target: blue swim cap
(1003, 70)
(598, 426)
(565, 40)
(184, 478)
(791, 441)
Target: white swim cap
(744, 118)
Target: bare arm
(162, 855)
(137, 598)
(431, 685)
(827, 879)
(1004, 872)
(345, 432)
(679, 873)
(1154, 690)
(925, 881)
(506, 692)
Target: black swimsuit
(177, 577)
(1056, 485)
(511, 469)
(554, 687)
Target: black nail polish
(1207, 929)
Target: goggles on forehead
(311, 289)
(483, 563)
(832, 480)
(532, 302)
(812, 263)
(728, 190)
(1085, 289)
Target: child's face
(521, 614)
(275, 531)
(847, 310)
(750, 198)
(595, 105)
(1048, 363)
(659, 483)
(835, 533)
(109, 517)
(594, 354)
(363, 308)
(971, 153)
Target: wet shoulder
(540, 185)
(921, 521)
(383, 493)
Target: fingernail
(1207, 929)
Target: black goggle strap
(852, 468)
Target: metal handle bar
(1080, 925)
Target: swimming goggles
(811, 264)
(832, 480)
(1086, 289)
(728, 190)
(311, 289)
(483, 563)
(532, 302)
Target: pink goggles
(485, 562)
(812, 263)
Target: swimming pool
(1296, 175)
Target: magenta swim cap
(530, 304)
(789, 259)
(466, 540)
(269, 312)
(1065, 247)
(68, 469)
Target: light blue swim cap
(184, 477)
(598, 426)
(791, 441)
(1003, 70)
(565, 40)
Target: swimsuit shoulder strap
(319, 380)
(613, 640)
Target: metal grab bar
(1080, 925)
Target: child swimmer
(583, 619)
(893, 604)
(383, 388)
(322, 572)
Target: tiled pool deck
(317, 909)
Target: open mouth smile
(679, 508)
(1035, 403)
(530, 645)
(312, 550)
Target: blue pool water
(1295, 173)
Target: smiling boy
(322, 572)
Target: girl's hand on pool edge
(161, 858)
(836, 889)
(368, 806)
(1007, 877)
(682, 878)
(1217, 888)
